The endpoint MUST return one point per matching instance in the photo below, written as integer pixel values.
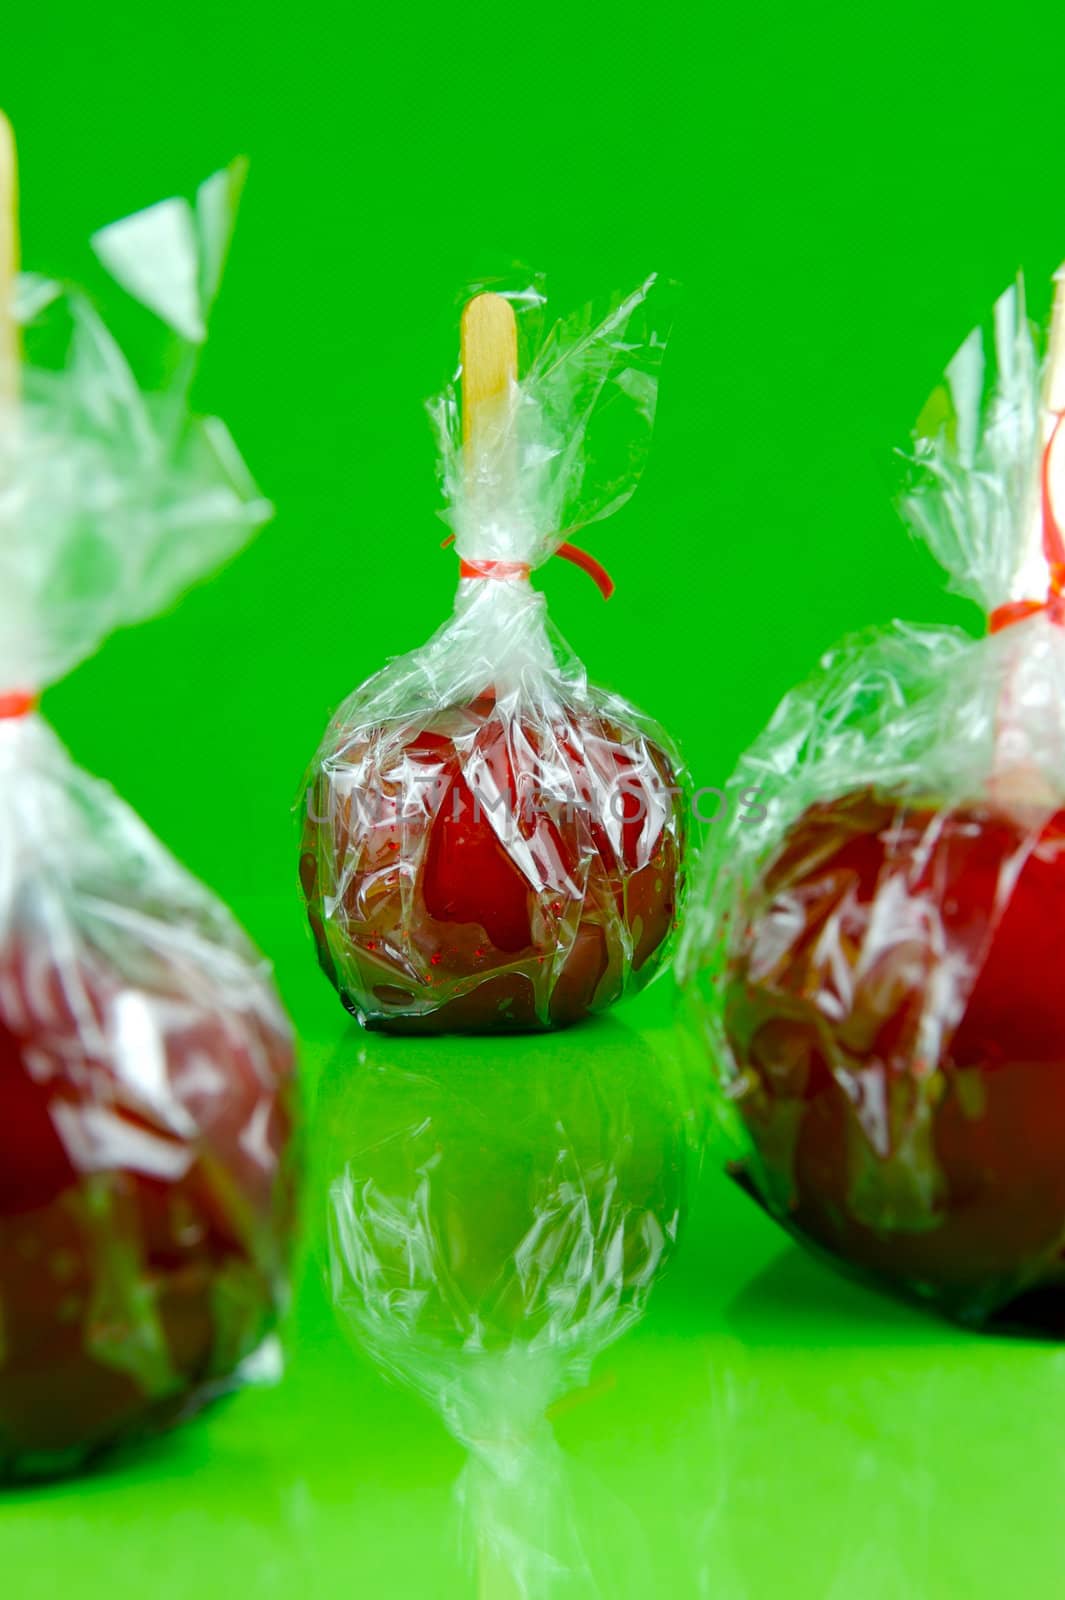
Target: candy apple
(896, 1010)
(485, 872)
(145, 1197)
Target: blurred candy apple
(145, 1198)
(896, 1008)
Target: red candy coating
(897, 1008)
(426, 919)
(145, 1202)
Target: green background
(843, 192)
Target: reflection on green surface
(497, 1214)
(766, 1429)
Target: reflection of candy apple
(488, 873)
(145, 1201)
(897, 1010)
(495, 1222)
(499, 1200)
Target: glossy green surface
(843, 192)
(767, 1429)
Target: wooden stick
(489, 390)
(1054, 385)
(9, 264)
(1030, 578)
(489, 367)
(1017, 780)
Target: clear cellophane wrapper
(145, 1061)
(873, 955)
(491, 842)
(493, 1226)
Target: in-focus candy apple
(896, 1010)
(483, 872)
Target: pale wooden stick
(1054, 385)
(1030, 579)
(489, 390)
(9, 264)
(1016, 781)
(489, 365)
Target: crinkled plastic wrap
(491, 843)
(876, 959)
(493, 1224)
(145, 1062)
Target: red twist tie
(494, 569)
(1054, 550)
(17, 703)
(521, 569)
